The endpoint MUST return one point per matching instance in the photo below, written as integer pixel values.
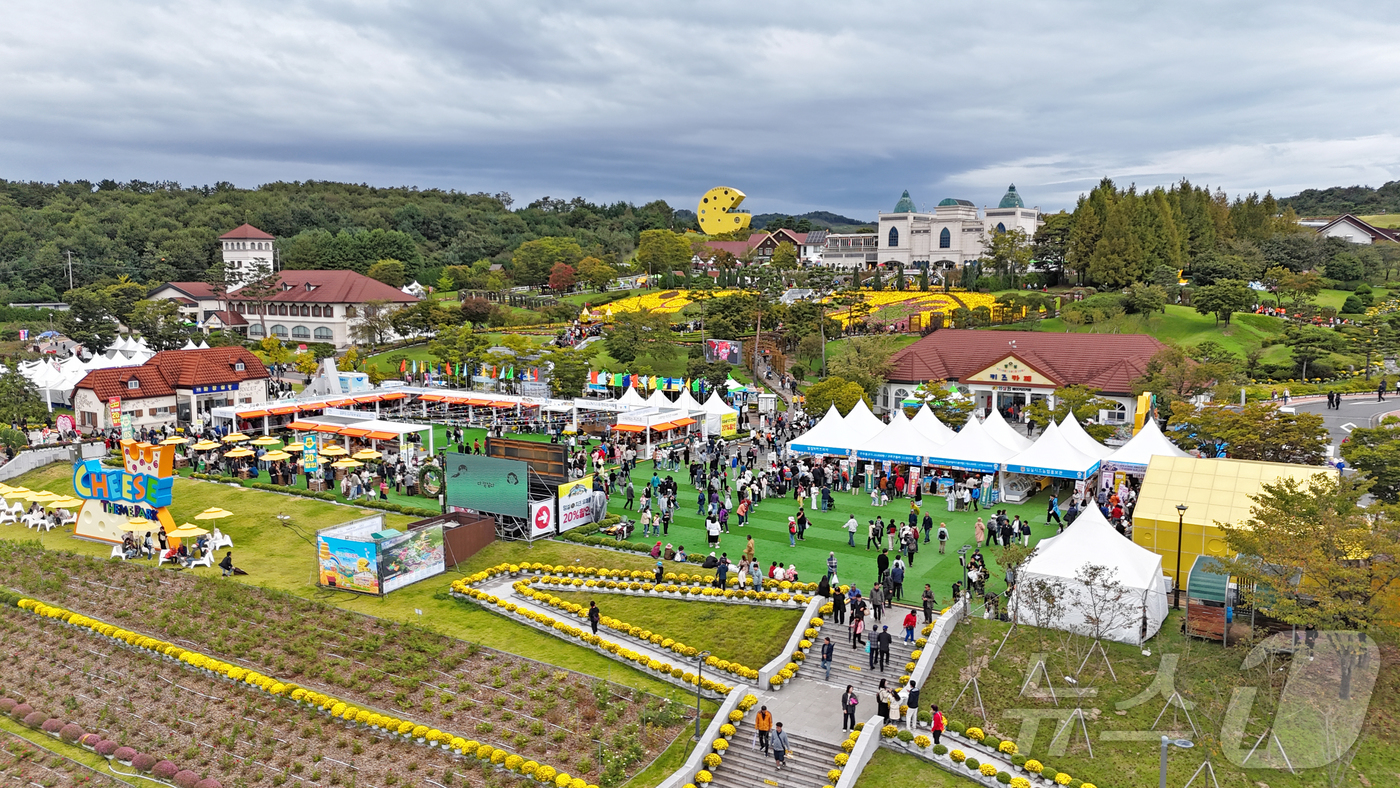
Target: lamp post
(699, 679)
(1176, 584)
(1184, 744)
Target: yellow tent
(1213, 491)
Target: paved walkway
(1358, 410)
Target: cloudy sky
(804, 106)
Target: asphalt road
(1358, 410)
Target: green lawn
(855, 565)
(1382, 219)
(890, 769)
(1335, 298)
(1206, 674)
(1179, 324)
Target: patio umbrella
(137, 522)
(44, 496)
(276, 456)
(174, 441)
(240, 453)
(17, 492)
(347, 464)
(294, 447)
(187, 531)
(213, 514)
(333, 451)
(366, 454)
(266, 440)
(235, 437)
(62, 503)
(205, 445)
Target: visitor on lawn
(897, 578)
(877, 602)
(943, 536)
(882, 565)
(680, 554)
(851, 525)
(792, 531)
(711, 562)
(831, 567)
(874, 534)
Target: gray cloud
(801, 105)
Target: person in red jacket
(937, 723)
(910, 621)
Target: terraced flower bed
(520, 707)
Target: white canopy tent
(899, 441)
(931, 426)
(1077, 437)
(688, 403)
(824, 438)
(861, 423)
(972, 449)
(716, 404)
(1002, 433)
(659, 400)
(631, 397)
(1052, 455)
(1134, 455)
(1132, 617)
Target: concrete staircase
(808, 761)
(852, 666)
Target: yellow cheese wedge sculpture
(717, 211)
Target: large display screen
(408, 558)
(487, 484)
(347, 564)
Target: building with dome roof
(951, 234)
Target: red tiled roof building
(171, 386)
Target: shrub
(971, 764)
(939, 749)
(922, 742)
(21, 710)
(889, 732)
(52, 725)
(164, 770)
(208, 782)
(1008, 747)
(186, 779)
(1018, 760)
(957, 756)
(975, 733)
(1033, 766)
(988, 770)
(6, 704)
(89, 740)
(144, 762)
(1063, 778)
(906, 736)
(35, 718)
(1004, 778)
(71, 733)
(106, 748)
(956, 727)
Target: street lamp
(699, 679)
(1184, 744)
(1176, 584)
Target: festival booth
(1051, 456)
(898, 442)
(824, 437)
(1001, 432)
(1131, 458)
(972, 450)
(928, 423)
(367, 557)
(1090, 540)
(1077, 437)
(632, 398)
(720, 418)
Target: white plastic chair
(207, 560)
(117, 552)
(66, 517)
(220, 540)
(7, 516)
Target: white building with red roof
(306, 306)
(173, 385)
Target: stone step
(807, 765)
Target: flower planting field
(666, 302)
(891, 306)
(544, 715)
(23, 764)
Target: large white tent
(1148, 443)
(898, 442)
(659, 400)
(1074, 432)
(861, 423)
(631, 397)
(688, 403)
(1052, 455)
(716, 404)
(1001, 432)
(1132, 616)
(928, 423)
(972, 449)
(824, 438)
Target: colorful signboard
(311, 453)
(487, 484)
(723, 350)
(347, 564)
(576, 503)
(728, 424)
(541, 519)
(408, 558)
(141, 488)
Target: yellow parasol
(294, 447)
(205, 445)
(44, 496)
(334, 451)
(174, 441)
(187, 531)
(213, 514)
(17, 492)
(240, 452)
(276, 456)
(62, 503)
(235, 437)
(347, 464)
(266, 440)
(137, 522)
(366, 454)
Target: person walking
(877, 602)
(838, 607)
(943, 538)
(594, 615)
(792, 532)
(882, 643)
(910, 621)
(897, 579)
(874, 535)
(936, 723)
(631, 495)
(828, 654)
(849, 701)
(851, 526)
(979, 532)
(882, 566)
(1052, 510)
(882, 701)
(764, 723)
(928, 602)
(912, 700)
(831, 567)
(780, 747)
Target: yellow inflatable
(718, 211)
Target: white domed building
(953, 233)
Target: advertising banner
(576, 503)
(407, 558)
(114, 411)
(347, 565)
(723, 350)
(541, 519)
(488, 484)
(311, 453)
(728, 425)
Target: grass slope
(890, 769)
(1180, 324)
(750, 635)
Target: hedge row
(416, 511)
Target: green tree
(952, 409)
(390, 272)
(459, 345)
(784, 260)
(713, 373)
(1257, 431)
(1118, 258)
(865, 362)
(1008, 254)
(1224, 298)
(1375, 452)
(1372, 337)
(1145, 299)
(305, 362)
(89, 320)
(731, 316)
(1050, 245)
(373, 322)
(568, 370)
(272, 351)
(640, 334)
(1085, 230)
(1174, 378)
(662, 251)
(1082, 401)
(834, 390)
(20, 402)
(533, 260)
(596, 272)
(1309, 344)
(160, 323)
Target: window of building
(281, 309)
(900, 395)
(349, 310)
(133, 384)
(279, 330)
(945, 239)
(1001, 228)
(240, 309)
(305, 310)
(255, 330)
(316, 311)
(324, 334)
(894, 237)
(301, 332)
(239, 365)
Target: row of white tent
(987, 445)
(56, 378)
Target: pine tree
(1118, 257)
(1083, 237)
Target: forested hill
(815, 220)
(1359, 200)
(155, 232)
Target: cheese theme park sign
(142, 488)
